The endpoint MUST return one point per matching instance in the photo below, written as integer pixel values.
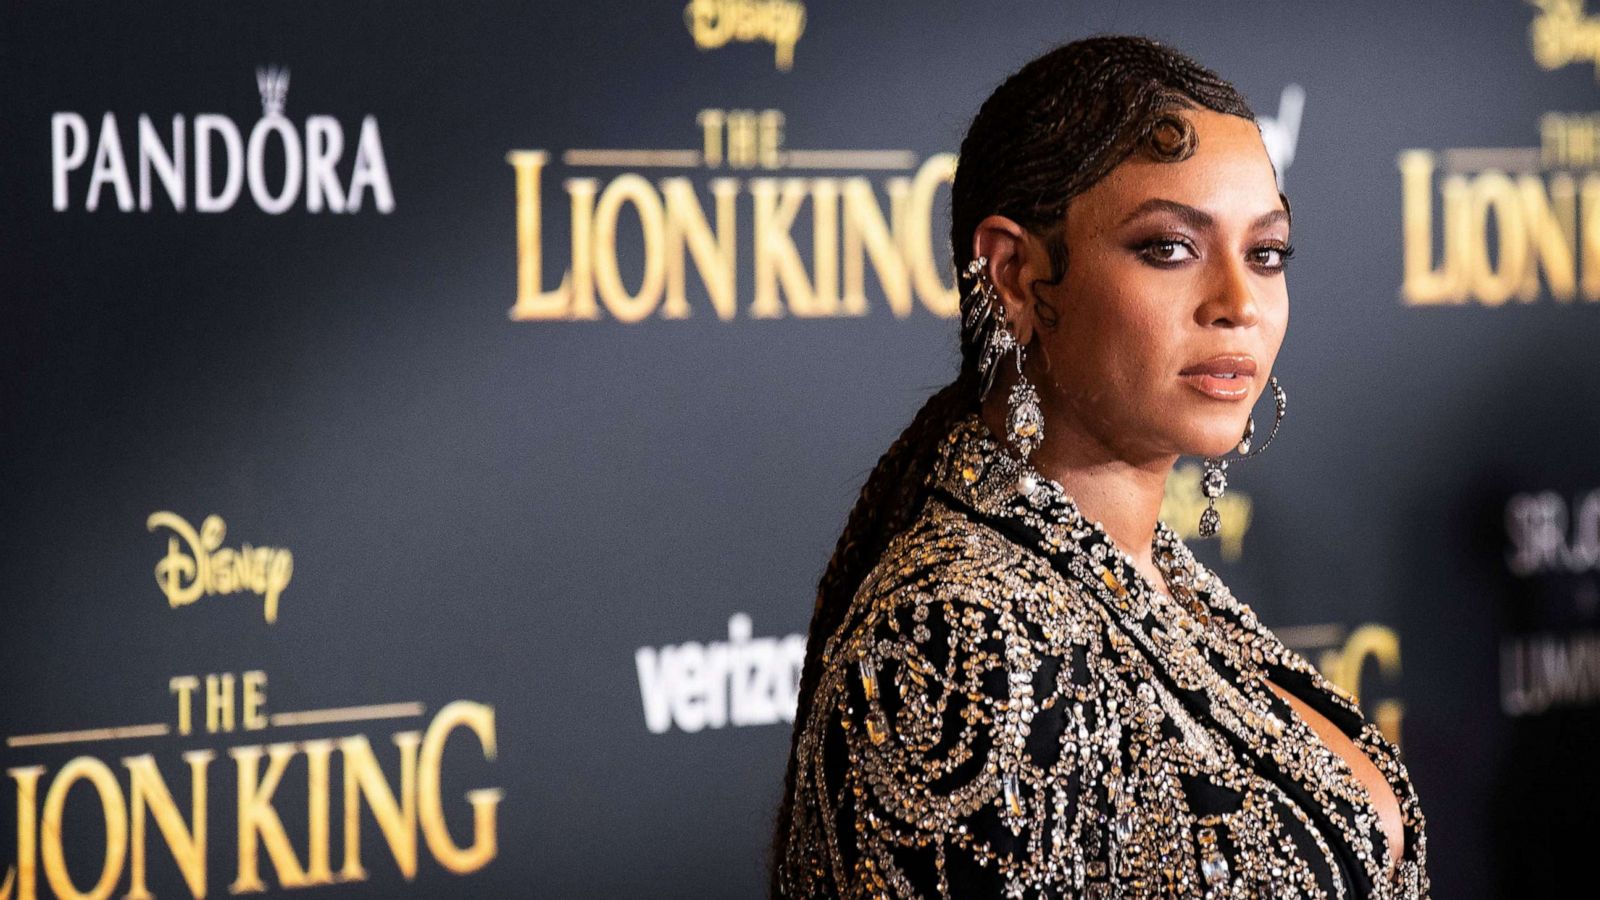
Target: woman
(1019, 682)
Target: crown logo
(273, 83)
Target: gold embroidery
(994, 718)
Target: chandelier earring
(984, 324)
(1215, 479)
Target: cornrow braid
(1045, 135)
(1064, 121)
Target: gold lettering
(744, 139)
(398, 821)
(1569, 140)
(1493, 191)
(1537, 227)
(188, 845)
(1422, 283)
(675, 227)
(777, 257)
(582, 192)
(533, 302)
(1590, 228)
(711, 122)
(219, 702)
(183, 686)
(634, 189)
(479, 718)
(713, 23)
(113, 806)
(211, 569)
(258, 820)
(319, 868)
(715, 253)
(938, 169)
(255, 697)
(26, 872)
(769, 130)
(1552, 235)
(416, 800)
(1561, 34)
(824, 251)
(866, 233)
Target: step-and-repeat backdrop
(422, 426)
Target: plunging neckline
(1393, 857)
(994, 486)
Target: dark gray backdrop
(508, 511)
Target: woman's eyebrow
(1194, 217)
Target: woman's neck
(1125, 498)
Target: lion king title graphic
(1509, 215)
(211, 714)
(857, 223)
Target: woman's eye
(1166, 251)
(1273, 257)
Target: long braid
(1046, 134)
(886, 505)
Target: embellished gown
(1011, 710)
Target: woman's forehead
(1228, 178)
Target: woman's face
(1170, 265)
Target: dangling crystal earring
(1215, 479)
(1024, 418)
(984, 321)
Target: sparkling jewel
(869, 679)
(1024, 418)
(1214, 869)
(1013, 793)
(877, 727)
(975, 683)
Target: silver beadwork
(1057, 725)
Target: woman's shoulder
(947, 557)
(972, 688)
(1004, 598)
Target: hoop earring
(1215, 479)
(984, 324)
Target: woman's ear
(1007, 245)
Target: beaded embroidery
(1010, 710)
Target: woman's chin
(1216, 442)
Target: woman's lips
(1221, 387)
(1227, 376)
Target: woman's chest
(1384, 800)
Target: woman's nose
(1233, 297)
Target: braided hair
(1045, 135)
